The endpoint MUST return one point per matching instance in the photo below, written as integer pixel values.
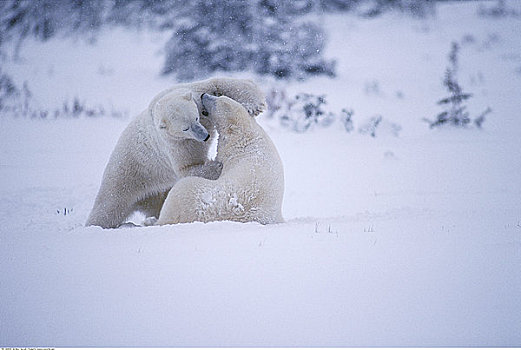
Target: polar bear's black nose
(207, 137)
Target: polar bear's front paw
(255, 110)
(150, 221)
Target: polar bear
(167, 141)
(251, 185)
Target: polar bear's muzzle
(199, 132)
(209, 103)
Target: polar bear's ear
(188, 96)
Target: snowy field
(412, 240)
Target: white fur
(155, 150)
(251, 185)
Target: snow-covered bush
(7, 89)
(276, 99)
(157, 14)
(417, 8)
(43, 19)
(499, 10)
(286, 49)
(19, 103)
(78, 109)
(346, 119)
(258, 36)
(14, 101)
(210, 39)
(455, 111)
(74, 108)
(305, 111)
(382, 125)
(299, 113)
(370, 127)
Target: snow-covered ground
(389, 241)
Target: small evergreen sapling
(455, 111)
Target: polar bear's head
(225, 112)
(176, 117)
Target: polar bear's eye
(186, 129)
